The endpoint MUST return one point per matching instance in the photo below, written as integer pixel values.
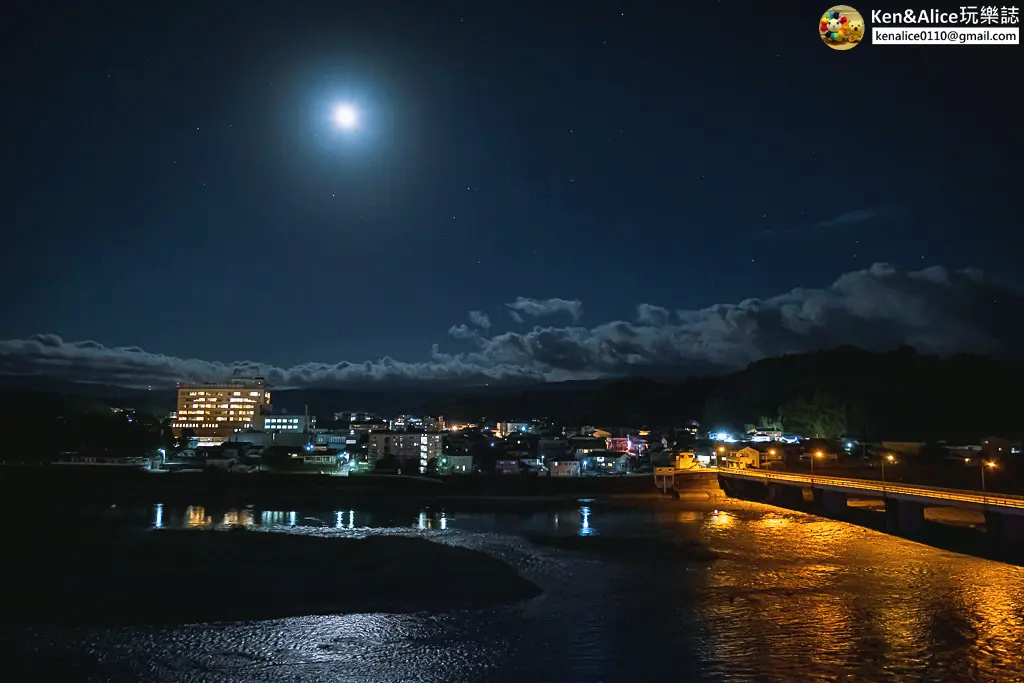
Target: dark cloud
(851, 218)
(848, 220)
(462, 331)
(935, 310)
(648, 314)
(543, 307)
(515, 317)
(480, 320)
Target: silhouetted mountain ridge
(898, 394)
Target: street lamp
(892, 459)
(984, 496)
(718, 461)
(816, 454)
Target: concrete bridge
(904, 503)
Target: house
(743, 458)
(904, 447)
(584, 445)
(506, 467)
(686, 460)
(217, 458)
(999, 447)
(552, 448)
(457, 464)
(564, 468)
(602, 461)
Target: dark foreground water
(792, 598)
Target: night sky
(532, 191)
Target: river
(792, 597)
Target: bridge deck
(998, 502)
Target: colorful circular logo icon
(841, 27)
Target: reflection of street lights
(984, 496)
(892, 459)
(718, 461)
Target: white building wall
(564, 468)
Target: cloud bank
(537, 308)
(934, 310)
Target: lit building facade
(288, 423)
(417, 422)
(418, 447)
(504, 429)
(216, 411)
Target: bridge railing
(959, 495)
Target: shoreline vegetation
(110, 578)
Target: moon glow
(345, 116)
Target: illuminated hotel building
(216, 411)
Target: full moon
(345, 116)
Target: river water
(793, 597)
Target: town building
(324, 437)
(552, 448)
(503, 429)
(753, 457)
(507, 467)
(349, 416)
(288, 423)
(213, 412)
(564, 468)
(603, 461)
(581, 446)
(406, 447)
(417, 423)
(457, 464)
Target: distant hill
(897, 395)
(109, 394)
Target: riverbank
(110, 577)
(77, 486)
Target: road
(926, 494)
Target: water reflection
(791, 598)
(585, 528)
(196, 516)
(235, 517)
